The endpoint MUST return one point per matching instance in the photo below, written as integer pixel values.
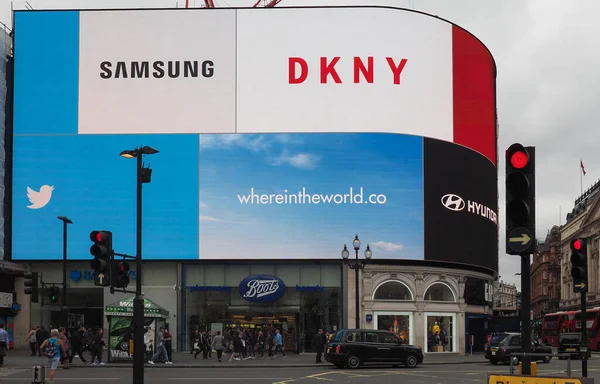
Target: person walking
(169, 346)
(278, 341)
(32, 340)
(319, 344)
(218, 344)
(53, 349)
(3, 343)
(97, 347)
(64, 357)
(77, 345)
(161, 351)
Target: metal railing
(514, 356)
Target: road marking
(225, 378)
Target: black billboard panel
(460, 205)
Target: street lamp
(64, 308)
(143, 176)
(356, 264)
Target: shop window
(440, 333)
(392, 290)
(439, 292)
(398, 324)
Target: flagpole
(581, 176)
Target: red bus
(554, 324)
(593, 326)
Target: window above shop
(439, 292)
(393, 290)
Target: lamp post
(356, 264)
(64, 309)
(143, 176)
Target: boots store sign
(262, 288)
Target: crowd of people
(243, 343)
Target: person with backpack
(52, 348)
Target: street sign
(102, 280)
(577, 288)
(510, 379)
(519, 239)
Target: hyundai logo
(453, 202)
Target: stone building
(545, 275)
(582, 222)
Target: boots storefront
(297, 299)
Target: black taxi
(354, 347)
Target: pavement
(21, 359)
(450, 373)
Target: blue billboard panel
(262, 196)
(84, 178)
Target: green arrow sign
(524, 239)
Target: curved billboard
(278, 148)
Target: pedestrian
(238, 347)
(218, 344)
(168, 346)
(3, 343)
(161, 351)
(41, 335)
(319, 344)
(278, 341)
(64, 356)
(52, 349)
(77, 345)
(32, 340)
(97, 348)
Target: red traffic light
(577, 244)
(519, 159)
(517, 156)
(124, 267)
(98, 236)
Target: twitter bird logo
(39, 199)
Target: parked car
(570, 343)
(504, 344)
(354, 347)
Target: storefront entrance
(309, 298)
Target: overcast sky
(545, 51)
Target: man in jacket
(319, 344)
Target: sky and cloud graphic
(233, 168)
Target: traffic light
(102, 251)
(579, 268)
(54, 294)
(520, 200)
(121, 275)
(31, 286)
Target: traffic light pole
(525, 310)
(138, 301)
(583, 349)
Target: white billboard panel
(157, 72)
(344, 70)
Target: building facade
(410, 299)
(582, 222)
(505, 298)
(406, 299)
(545, 275)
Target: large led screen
(278, 149)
